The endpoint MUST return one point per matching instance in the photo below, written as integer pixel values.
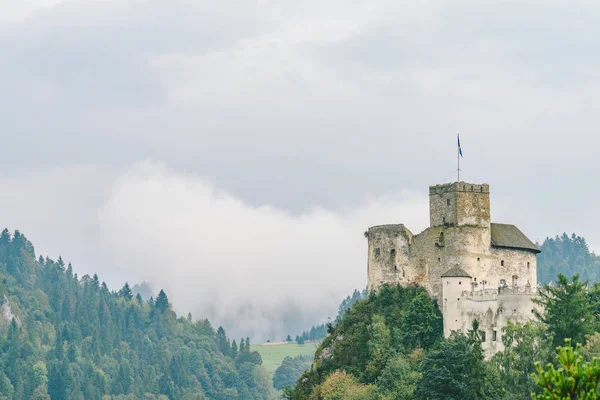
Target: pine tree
(574, 380)
(162, 302)
(126, 292)
(234, 349)
(566, 309)
(222, 341)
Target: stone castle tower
(475, 269)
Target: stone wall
(459, 203)
(460, 234)
(388, 255)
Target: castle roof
(455, 272)
(510, 237)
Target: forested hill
(64, 337)
(567, 255)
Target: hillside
(65, 337)
(568, 255)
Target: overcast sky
(234, 152)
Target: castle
(475, 269)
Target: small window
(528, 265)
(395, 268)
(471, 188)
(439, 259)
(441, 236)
(459, 282)
(393, 253)
(482, 333)
(458, 299)
(464, 187)
(481, 189)
(502, 263)
(377, 251)
(494, 336)
(444, 220)
(478, 259)
(447, 202)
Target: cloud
(259, 270)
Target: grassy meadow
(273, 354)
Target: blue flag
(459, 148)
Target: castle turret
(459, 204)
(454, 282)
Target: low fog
(258, 271)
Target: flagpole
(458, 163)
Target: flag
(459, 148)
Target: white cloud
(250, 268)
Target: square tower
(459, 204)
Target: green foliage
(566, 309)
(524, 344)
(72, 338)
(369, 335)
(421, 323)
(342, 386)
(575, 379)
(399, 378)
(455, 370)
(568, 255)
(290, 370)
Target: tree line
(72, 338)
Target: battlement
(495, 294)
(459, 203)
(459, 187)
(388, 230)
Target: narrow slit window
(502, 263)
(494, 336)
(393, 253)
(447, 202)
(377, 251)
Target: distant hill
(66, 337)
(568, 255)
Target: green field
(273, 354)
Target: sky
(234, 152)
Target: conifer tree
(566, 309)
(126, 292)
(234, 349)
(162, 302)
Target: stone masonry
(474, 268)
